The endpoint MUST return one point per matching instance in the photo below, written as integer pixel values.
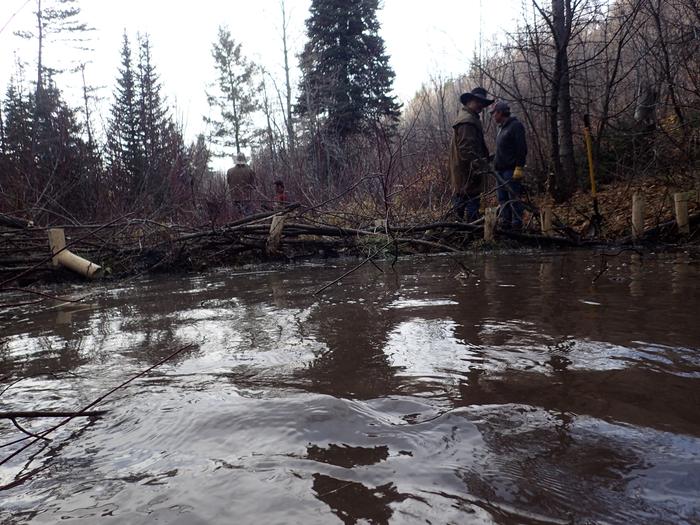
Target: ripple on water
(401, 397)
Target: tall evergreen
(56, 21)
(16, 161)
(2, 129)
(59, 149)
(153, 118)
(44, 159)
(125, 147)
(232, 97)
(346, 76)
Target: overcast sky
(423, 37)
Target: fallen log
(693, 220)
(232, 226)
(14, 222)
(540, 239)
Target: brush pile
(128, 246)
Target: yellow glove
(518, 173)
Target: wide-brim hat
(477, 93)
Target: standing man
(241, 184)
(469, 154)
(511, 153)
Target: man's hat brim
(466, 97)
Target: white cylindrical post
(680, 201)
(489, 223)
(63, 257)
(275, 236)
(57, 242)
(546, 221)
(637, 215)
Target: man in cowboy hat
(469, 154)
(241, 184)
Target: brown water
(523, 393)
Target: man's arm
(520, 145)
(467, 140)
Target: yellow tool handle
(589, 152)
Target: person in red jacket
(280, 199)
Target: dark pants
(465, 203)
(512, 208)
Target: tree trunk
(562, 147)
(40, 27)
(270, 135)
(288, 83)
(88, 126)
(234, 112)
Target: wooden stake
(546, 221)
(680, 201)
(380, 225)
(57, 242)
(489, 223)
(273, 240)
(637, 215)
(63, 257)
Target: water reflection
(355, 364)
(353, 502)
(347, 456)
(527, 391)
(631, 395)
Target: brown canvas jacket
(468, 154)
(241, 181)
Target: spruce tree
(125, 148)
(56, 21)
(232, 97)
(18, 109)
(59, 149)
(44, 159)
(2, 130)
(17, 164)
(346, 76)
(153, 120)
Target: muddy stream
(519, 391)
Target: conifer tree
(232, 97)
(59, 148)
(125, 147)
(44, 159)
(17, 165)
(346, 76)
(153, 118)
(55, 20)
(2, 129)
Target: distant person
(241, 184)
(469, 155)
(280, 200)
(511, 153)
